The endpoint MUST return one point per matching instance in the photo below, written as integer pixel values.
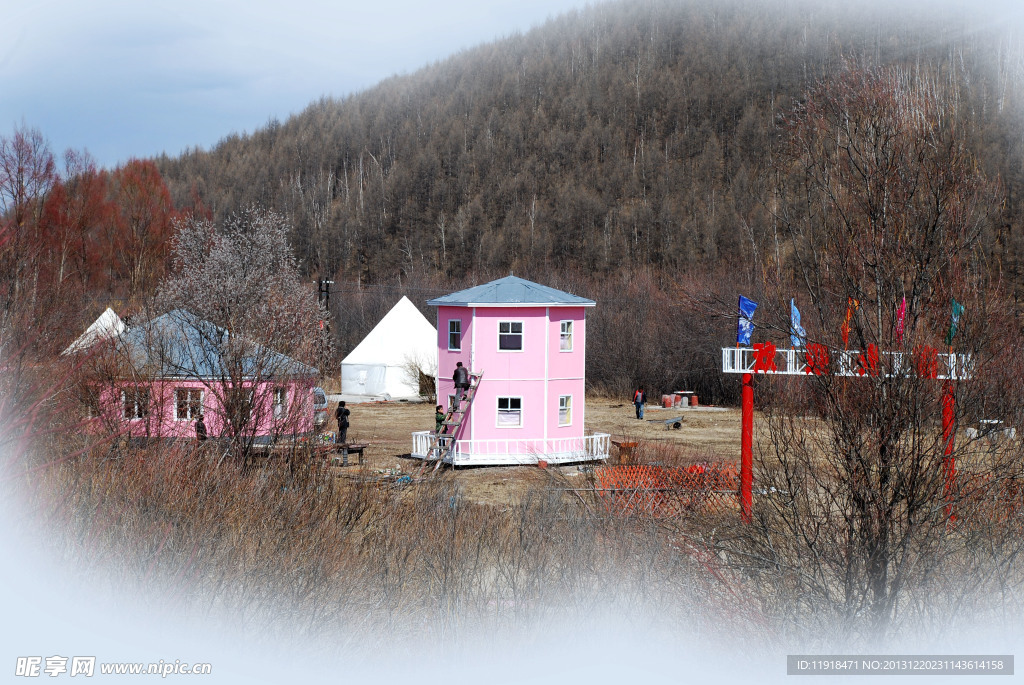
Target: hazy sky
(127, 78)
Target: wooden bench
(346, 449)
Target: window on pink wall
(280, 404)
(565, 410)
(510, 412)
(565, 337)
(455, 334)
(188, 403)
(510, 336)
(135, 402)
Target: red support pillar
(948, 461)
(747, 449)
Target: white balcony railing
(512, 451)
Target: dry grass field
(706, 434)
(364, 553)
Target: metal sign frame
(818, 360)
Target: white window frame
(282, 392)
(567, 409)
(508, 399)
(521, 334)
(139, 413)
(564, 335)
(188, 413)
(458, 325)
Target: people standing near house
(342, 414)
(438, 419)
(639, 397)
(200, 429)
(461, 379)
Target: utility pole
(323, 294)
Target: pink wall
(575, 389)
(485, 423)
(567, 364)
(527, 364)
(162, 421)
(446, 358)
(516, 373)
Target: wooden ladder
(444, 442)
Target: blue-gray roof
(179, 344)
(511, 291)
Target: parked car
(319, 407)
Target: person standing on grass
(639, 397)
(342, 413)
(200, 429)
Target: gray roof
(179, 344)
(511, 291)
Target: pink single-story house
(162, 375)
(529, 343)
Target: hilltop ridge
(627, 135)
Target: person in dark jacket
(342, 413)
(200, 429)
(639, 397)
(461, 379)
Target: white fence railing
(513, 451)
(823, 361)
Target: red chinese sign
(764, 357)
(926, 359)
(868, 362)
(817, 359)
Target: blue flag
(797, 334)
(746, 326)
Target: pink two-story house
(529, 343)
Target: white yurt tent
(380, 364)
(108, 325)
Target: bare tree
(27, 173)
(862, 518)
(422, 374)
(249, 323)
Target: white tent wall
(378, 380)
(383, 363)
(364, 379)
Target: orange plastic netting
(666, 491)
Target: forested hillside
(629, 137)
(625, 136)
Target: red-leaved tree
(143, 224)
